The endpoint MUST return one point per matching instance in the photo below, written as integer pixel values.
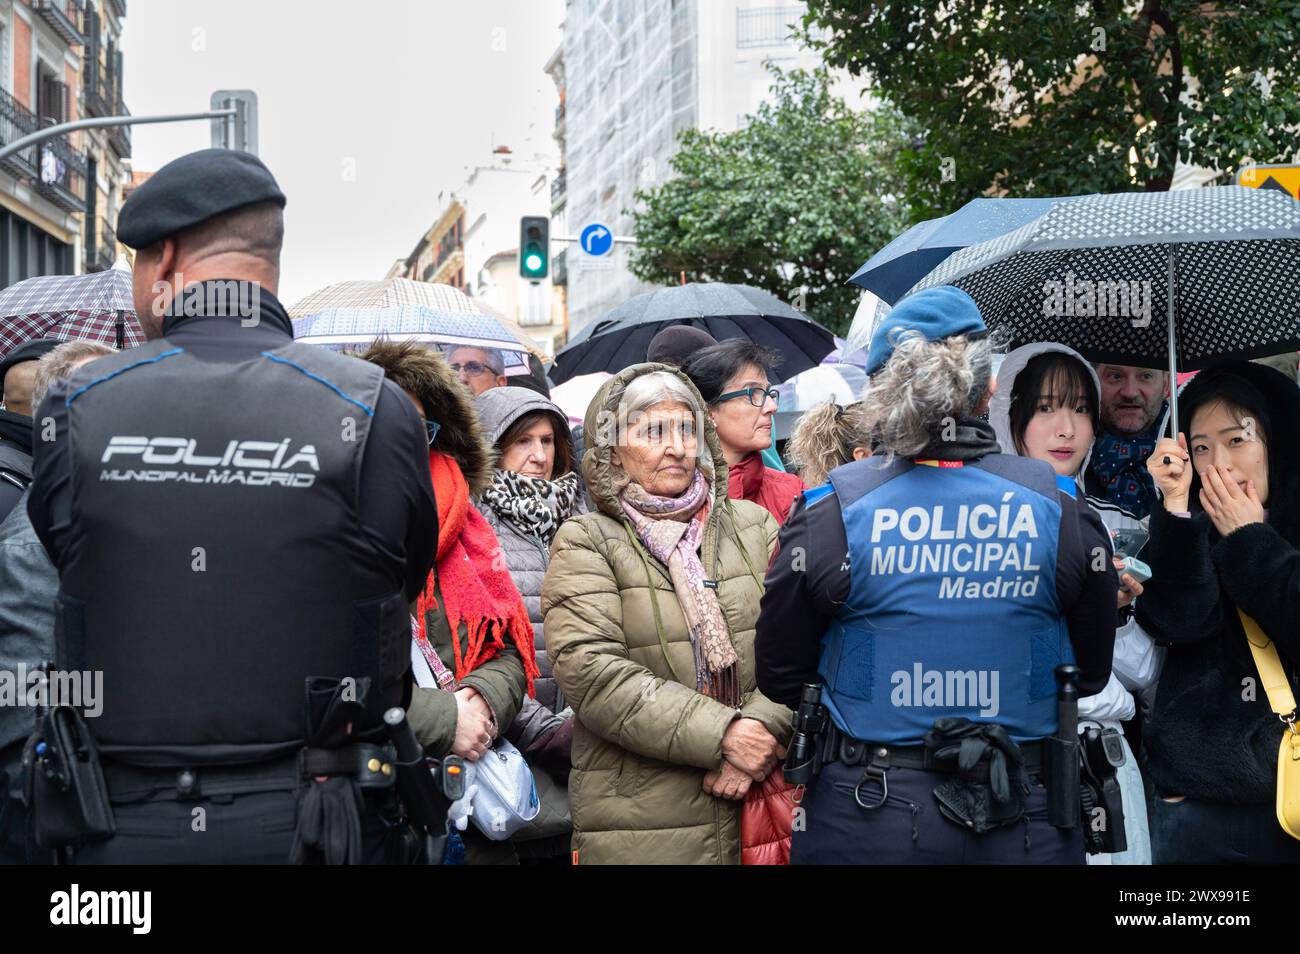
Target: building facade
(60, 61)
(473, 243)
(632, 75)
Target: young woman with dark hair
(1226, 539)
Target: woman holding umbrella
(733, 378)
(1225, 541)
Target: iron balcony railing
(101, 245)
(16, 121)
(61, 173)
(119, 7)
(64, 17)
(119, 137)
(767, 26)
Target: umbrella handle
(1173, 353)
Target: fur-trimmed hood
(424, 372)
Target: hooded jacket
(500, 680)
(525, 554)
(15, 458)
(541, 720)
(1212, 735)
(1137, 659)
(642, 740)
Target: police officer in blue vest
(932, 590)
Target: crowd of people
(638, 605)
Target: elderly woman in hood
(472, 644)
(1047, 407)
(650, 606)
(534, 490)
(1225, 541)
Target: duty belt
(838, 747)
(371, 765)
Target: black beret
(32, 350)
(193, 189)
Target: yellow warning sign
(1282, 178)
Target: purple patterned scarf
(670, 530)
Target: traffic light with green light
(534, 247)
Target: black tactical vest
(216, 559)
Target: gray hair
(493, 358)
(614, 427)
(60, 362)
(924, 385)
(654, 388)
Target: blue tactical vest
(953, 609)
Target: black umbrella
(1181, 279)
(620, 338)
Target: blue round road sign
(596, 239)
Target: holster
(1101, 755)
(63, 782)
(988, 789)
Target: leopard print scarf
(533, 505)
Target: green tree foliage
(793, 203)
(1063, 96)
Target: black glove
(329, 824)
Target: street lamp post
(42, 134)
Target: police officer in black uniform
(231, 514)
(932, 591)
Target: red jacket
(770, 489)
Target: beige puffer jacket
(643, 740)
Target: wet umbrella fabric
(620, 338)
(911, 256)
(96, 307)
(359, 295)
(1177, 280)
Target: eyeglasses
(757, 396)
(432, 428)
(472, 368)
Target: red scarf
(477, 591)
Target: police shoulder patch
(1067, 485)
(814, 494)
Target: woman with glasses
(732, 376)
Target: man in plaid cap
(250, 514)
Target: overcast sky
(367, 110)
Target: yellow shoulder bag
(1282, 702)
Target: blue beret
(191, 190)
(936, 313)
